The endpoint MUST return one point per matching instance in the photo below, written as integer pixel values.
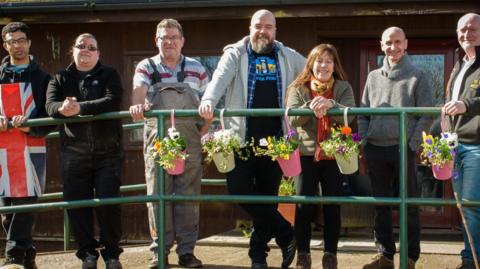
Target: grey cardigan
(306, 126)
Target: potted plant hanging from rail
(220, 147)
(344, 146)
(439, 152)
(284, 150)
(170, 151)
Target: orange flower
(346, 130)
(157, 146)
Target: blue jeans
(467, 186)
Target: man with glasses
(255, 73)
(22, 176)
(170, 80)
(91, 152)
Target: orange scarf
(324, 89)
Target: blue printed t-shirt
(265, 96)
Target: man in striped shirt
(170, 75)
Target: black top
(266, 96)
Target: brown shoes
(304, 261)
(329, 261)
(380, 262)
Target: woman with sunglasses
(91, 152)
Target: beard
(262, 44)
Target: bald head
(394, 44)
(468, 33)
(262, 13)
(262, 31)
(394, 30)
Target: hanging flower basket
(348, 164)
(443, 172)
(291, 167)
(178, 166)
(224, 161)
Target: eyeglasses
(170, 38)
(21, 41)
(89, 47)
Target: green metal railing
(402, 201)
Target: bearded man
(254, 73)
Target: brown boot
(304, 261)
(329, 261)
(411, 264)
(380, 262)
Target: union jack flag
(22, 158)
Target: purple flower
(452, 152)
(290, 134)
(344, 137)
(356, 137)
(341, 149)
(429, 141)
(430, 155)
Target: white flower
(263, 142)
(450, 138)
(173, 133)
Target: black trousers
(18, 228)
(328, 175)
(383, 165)
(88, 175)
(260, 176)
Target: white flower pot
(347, 165)
(225, 162)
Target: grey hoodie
(402, 85)
(231, 79)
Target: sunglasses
(89, 47)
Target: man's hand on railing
(205, 111)
(18, 120)
(137, 110)
(70, 107)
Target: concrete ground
(229, 251)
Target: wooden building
(125, 31)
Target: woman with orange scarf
(322, 85)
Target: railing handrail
(403, 201)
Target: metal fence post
(403, 191)
(66, 231)
(159, 177)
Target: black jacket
(39, 82)
(98, 92)
(467, 126)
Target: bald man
(463, 96)
(396, 84)
(254, 73)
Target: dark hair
(13, 27)
(307, 73)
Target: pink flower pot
(178, 167)
(443, 172)
(291, 167)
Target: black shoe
(257, 265)
(89, 262)
(189, 261)
(288, 253)
(29, 261)
(113, 264)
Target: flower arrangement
(287, 187)
(439, 151)
(341, 142)
(170, 148)
(276, 147)
(221, 141)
